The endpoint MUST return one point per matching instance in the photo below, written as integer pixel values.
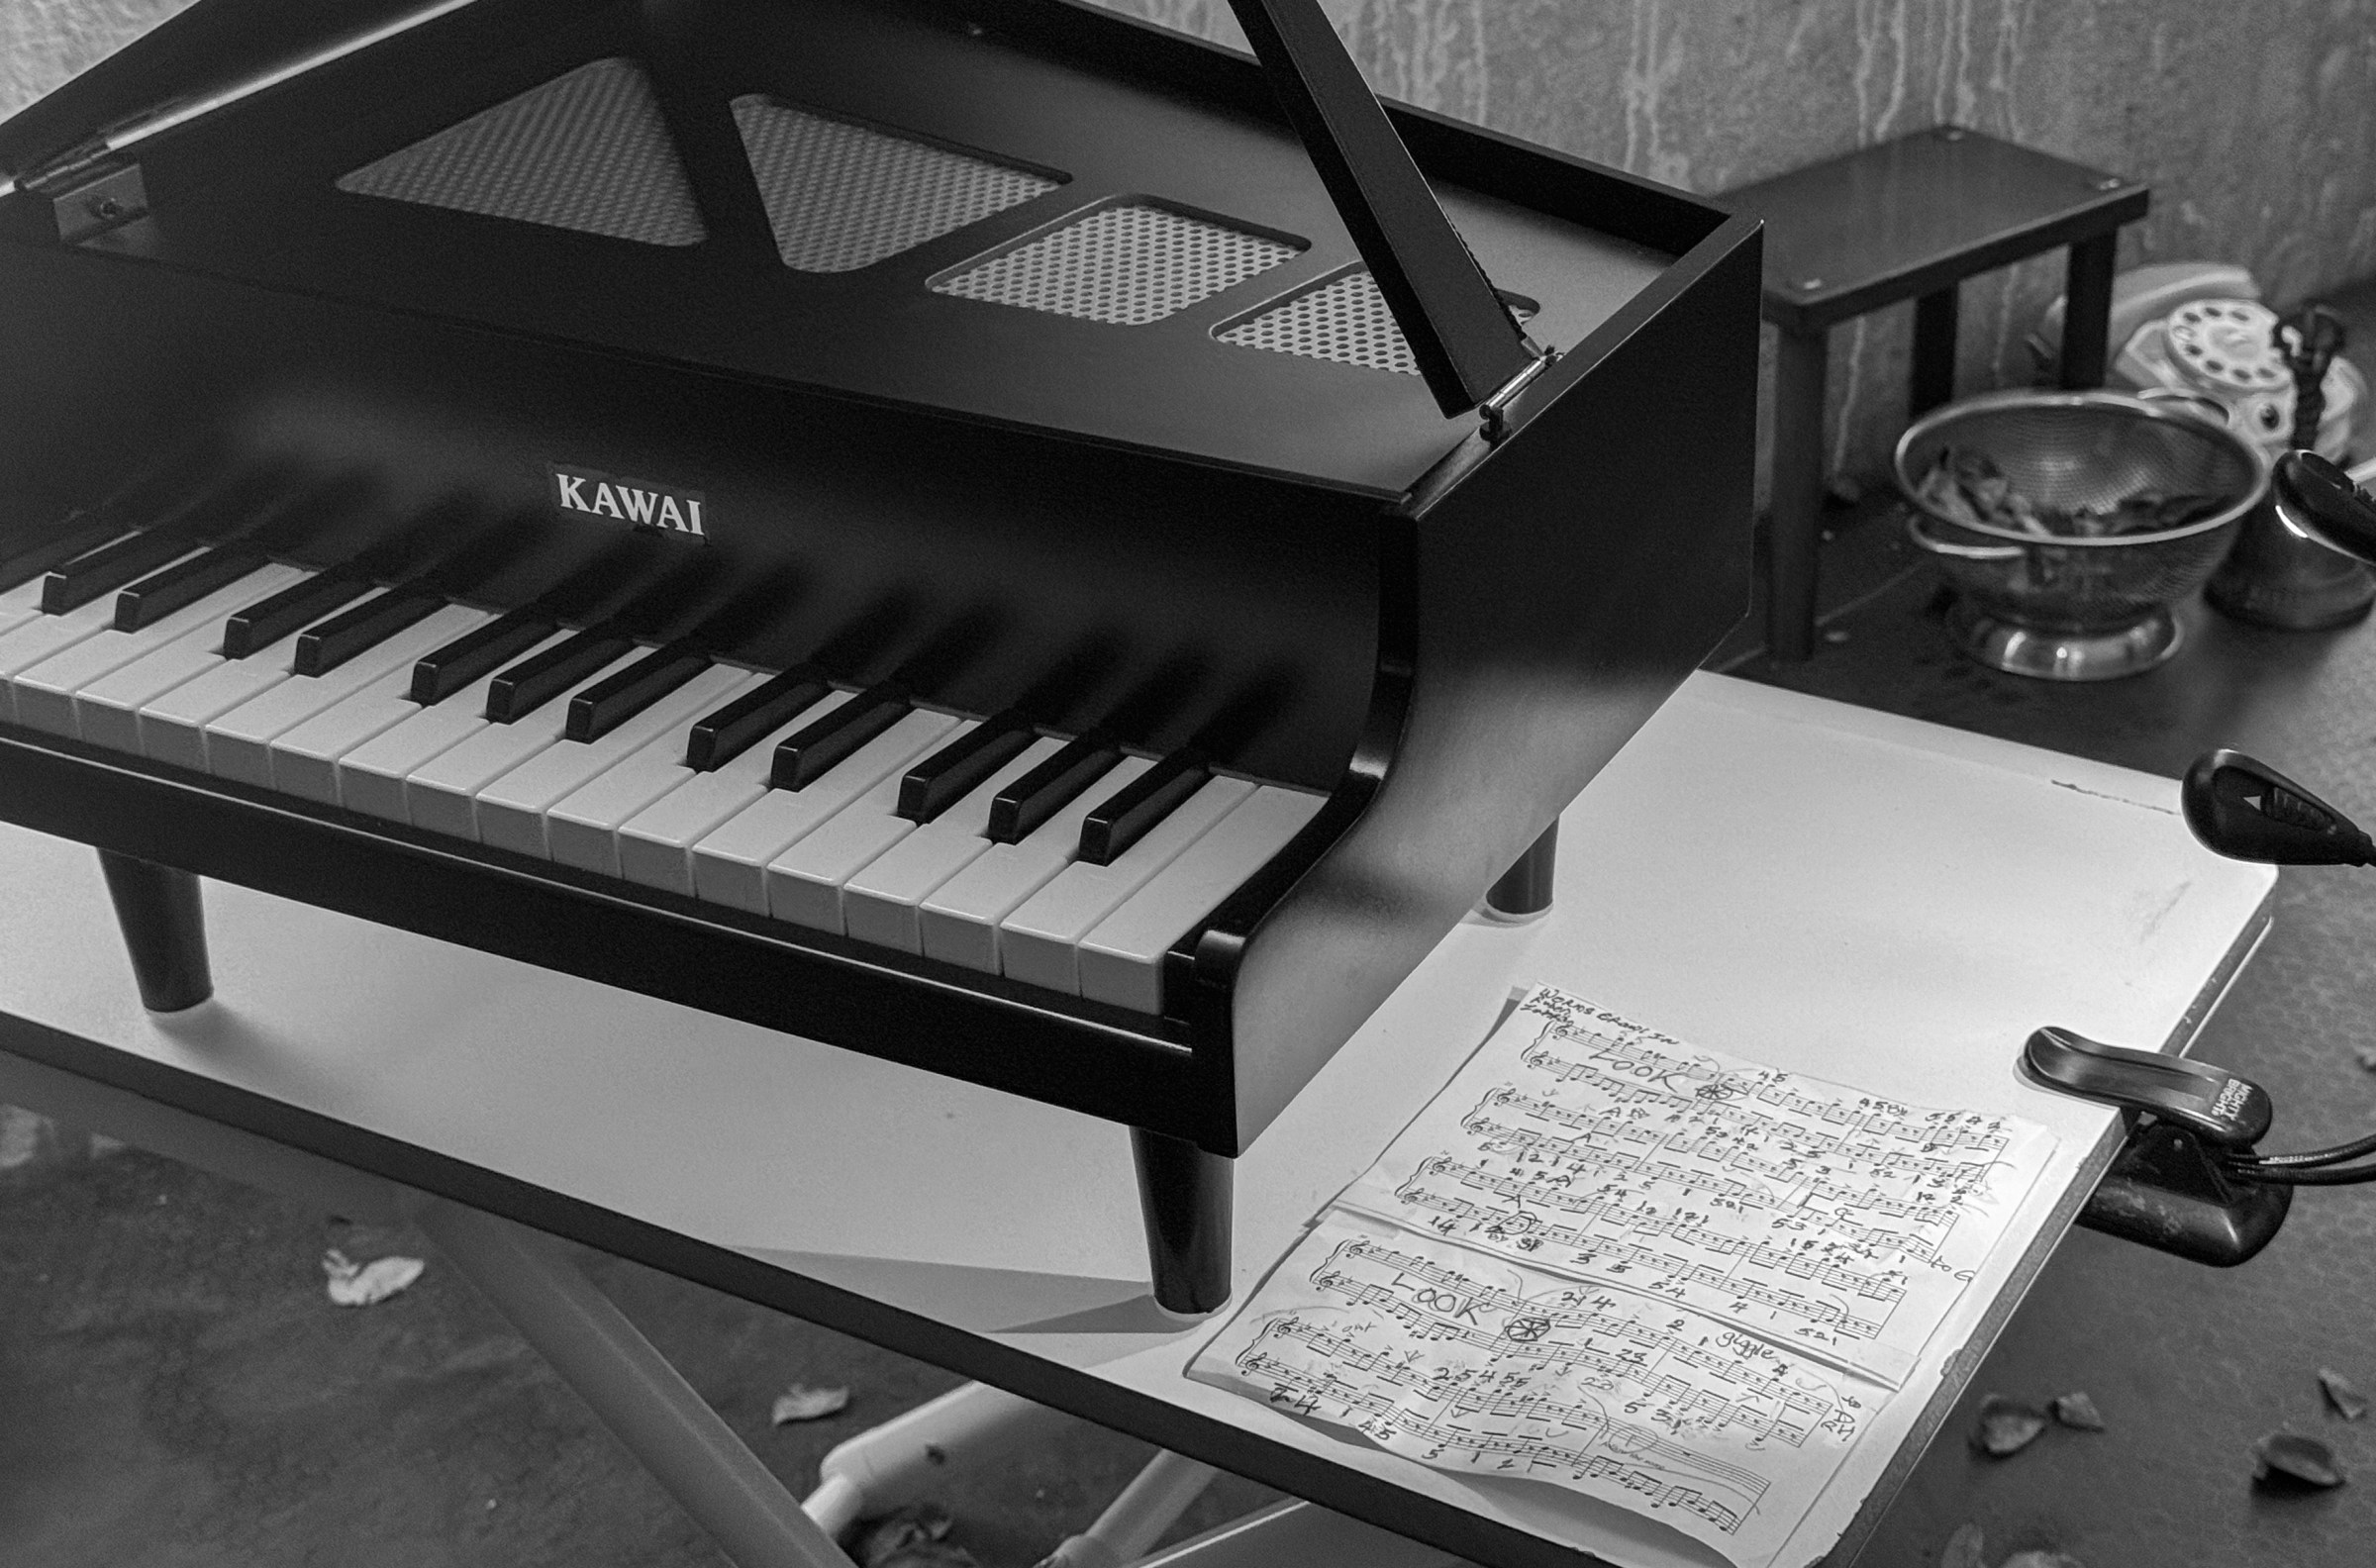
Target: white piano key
(305, 758)
(1039, 942)
(583, 830)
(371, 776)
(173, 725)
(1122, 959)
(21, 602)
(239, 742)
(655, 846)
(513, 810)
(48, 693)
(879, 902)
(729, 862)
(441, 794)
(45, 635)
(107, 711)
(959, 923)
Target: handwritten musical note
(1662, 1276)
(1588, 1146)
(1466, 1362)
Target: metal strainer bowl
(2079, 608)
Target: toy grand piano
(986, 534)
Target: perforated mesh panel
(1124, 265)
(840, 196)
(588, 152)
(1345, 320)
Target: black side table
(1909, 218)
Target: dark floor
(175, 1391)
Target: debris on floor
(354, 1284)
(2078, 1411)
(913, 1537)
(800, 1403)
(2341, 1397)
(1964, 1549)
(2040, 1559)
(2007, 1426)
(2287, 1458)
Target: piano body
(984, 534)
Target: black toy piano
(978, 532)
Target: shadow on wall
(2253, 124)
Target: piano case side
(1540, 607)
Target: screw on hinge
(2110, 182)
(1808, 285)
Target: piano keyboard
(1062, 863)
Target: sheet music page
(1654, 1273)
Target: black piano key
(161, 593)
(76, 582)
(721, 736)
(291, 610)
(479, 652)
(612, 701)
(1018, 809)
(804, 757)
(540, 677)
(34, 550)
(945, 777)
(323, 647)
(1138, 806)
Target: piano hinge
(89, 190)
(1495, 410)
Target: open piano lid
(1031, 213)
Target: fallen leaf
(2007, 1426)
(2341, 1395)
(354, 1284)
(803, 1403)
(913, 1537)
(2040, 1559)
(1964, 1549)
(2075, 1410)
(2367, 1059)
(2303, 1460)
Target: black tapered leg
(1525, 890)
(164, 929)
(1184, 1194)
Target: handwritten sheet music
(1655, 1273)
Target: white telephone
(2200, 327)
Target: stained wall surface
(2255, 124)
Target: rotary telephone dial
(2200, 328)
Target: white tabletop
(1863, 898)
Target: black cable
(2344, 1176)
(2325, 1156)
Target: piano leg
(1525, 890)
(1184, 1193)
(164, 929)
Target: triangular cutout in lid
(587, 150)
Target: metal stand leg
(1132, 1523)
(901, 1461)
(637, 1394)
(164, 931)
(1798, 499)
(1525, 890)
(1934, 380)
(2087, 312)
(1184, 1194)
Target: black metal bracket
(2173, 1186)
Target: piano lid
(1032, 213)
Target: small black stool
(1909, 218)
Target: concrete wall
(2255, 123)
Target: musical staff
(1608, 1260)
(1586, 1146)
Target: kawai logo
(638, 503)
